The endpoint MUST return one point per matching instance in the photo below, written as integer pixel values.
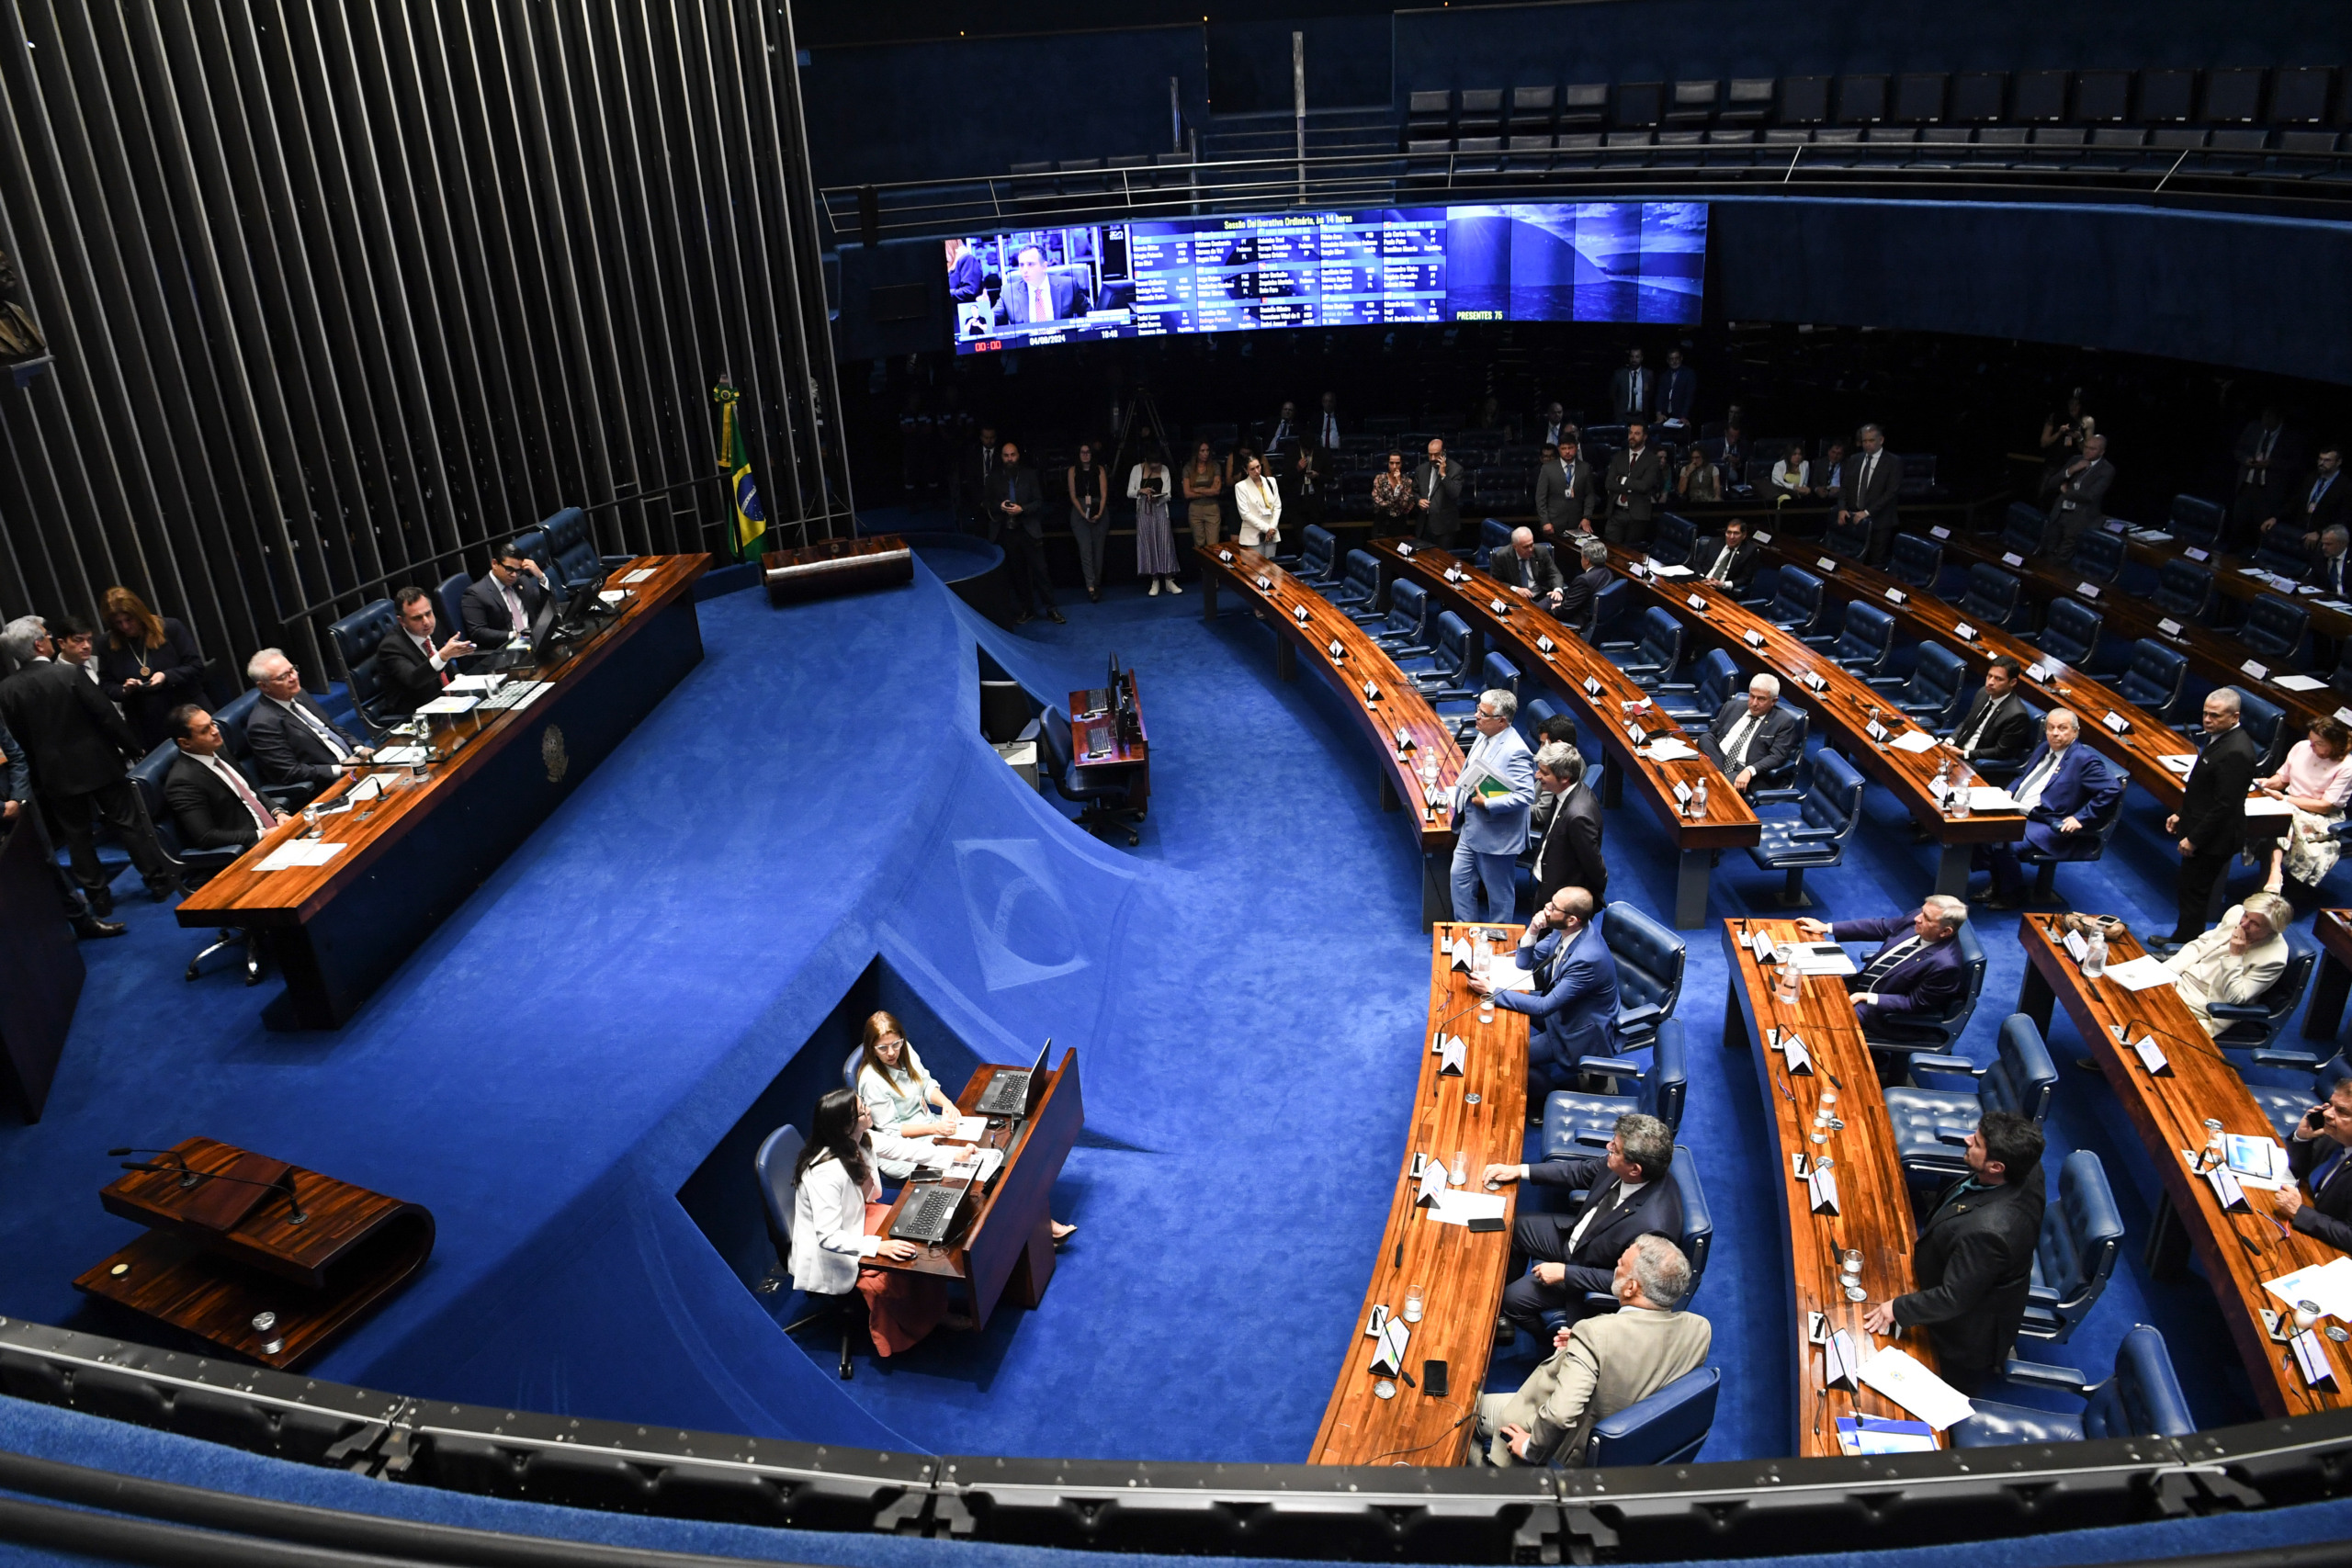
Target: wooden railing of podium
(412, 857)
(1840, 709)
(1482, 1113)
(1398, 708)
(832, 567)
(2235, 1252)
(229, 1262)
(1007, 1239)
(1522, 630)
(1873, 1213)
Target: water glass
(1482, 957)
(2307, 1317)
(1413, 1305)
(1485, 1010)
(1461, 1172)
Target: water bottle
(1940, 790)
(2095, 955)
(1699, 799)
(1786, 987)
(1959, 805)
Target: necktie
(1723, 564)
(1869, 465)
(2028, 795)
(1976, 730)
(1884, 963)
(426, 649)
(1595, 1211)
(2319, 488)
(515, 609)
(1041, 304)
(335, 742)
(1636, 390)
(2329, 1171)
(1735, 744)
(236, 780)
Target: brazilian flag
(750, 523)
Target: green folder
(1492, 788)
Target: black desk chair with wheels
(1091, 788)
(199, 865)
(779, 1152)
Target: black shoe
(166, 889)
(1057, 617)
(91, 926)
(1094, 596)
(100, 899)
(1022, 618)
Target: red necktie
(244, 792)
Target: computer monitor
(1036, 1079)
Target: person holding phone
(2317, 1155)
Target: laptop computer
(1012, 1093)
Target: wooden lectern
(267, 1273)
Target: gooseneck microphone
(296, 1215)
(187, 1176)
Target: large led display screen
(1587, 261)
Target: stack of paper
(1670, 751)
(2179, 762)
(1986, 797)
(298, 852)
(475, 683)
(402, 756)
(2139, 974)
(2298, 683)
(639, 575)
(970, 1128)
(1913, 740)
(1899, 1376)
(1459, 1206)
(2327, 1286)
(450, 704)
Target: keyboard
(1006, 1094)
(928, 1215)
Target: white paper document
(402, 756)
(970, 1128)
(2139, 974)
(2298, 683)
(1505, 976)
(450, 704)
(299, 852)
(1821, 958)
(1899, 1376)
(1459, 1206)
(1675, 571)
(2268, 806)
(1669, 750)
(476, 683)
(639, 575)
(2179, 763)
(612, 595)
(1913, 740)
(1989, 798)
(2327, 1286)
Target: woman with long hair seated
(836, 1208)
(901, 1098)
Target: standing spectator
(1700, 480)
(2311, 509)
(2082, 492)
(2265, 460)
(1678, 390)
(1202, 487)
(1555, 516)
(1632, 389)
(1636, 485)
(974, 475)
(1309, 474)
(2061, 440)
(1327, 423)
(1567, 848)
(1867, 495)
(78, 747)
(1393, 501)
(1155, 541)
(2212, 819)
(1089, 483)
(1237, 464)
(1437, 492)
(1283, 435)
(1790, 475)
(1018, 507)
(148, 667)
(1260, 502)
(20, 813)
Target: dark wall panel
(340, 292)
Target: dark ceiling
(817, 23)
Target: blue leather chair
(2195, 520)
(1361, 588)
(2099, 556)
(1406, 632)
(1649, 959)
(2143, 1399)
(198, 866)
(534, 544)
(1533, 713)
(1939, 691)
(2183, 591)
(1926, 1031)
(1492, 536)
(1318, 557)
(1448, 680)
(1692, 705)
(1093, 790)
(2275, 629)
(1657, 655)
(1798, 602)
(1672, 538)
(2156, 679)
(1865, 640)
(355, 638)
(2045, 876)
(1668, 1428)
(1849, 540)
(1696, 1238)
(232, 717)
(2341, 676)
(2286, 1106)
(1780, 782)
(779, 1153)
(1829, 811)
(1494, 673)
(1608, 606)
(2025, 530)
(449, 602)
(2256, 1025)
(1917, 560)
(1994, 598)
(1576, 1123)
(2070, 632)
(2082, 1233)
(2281, 551)
(1931, 1124)
(571, 542)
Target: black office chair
(1091, 794)
(355, 638)
(779, 1152)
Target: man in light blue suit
(2067, 791)
(1574, 1004)
(1490, 830)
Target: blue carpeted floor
(1244, 988)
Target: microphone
(296, 1215)
(187, 1176)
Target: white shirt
(2029, 795)
(1723, 564)
(1625, 1190)
(1983, 720)
(424, 646)
(1862, 485)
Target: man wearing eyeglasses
(213, 805)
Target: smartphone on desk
(1433, 1379)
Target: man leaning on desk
(1628, 1193)
(293, 739)
(410, 670)
(2318, 1154)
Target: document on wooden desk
(1897, 1374)
(2327, 1286)
(1459, 1206)
(1986, 797)
(298, 852)
(1913, 740)
(2139, 974)
(1670, 751)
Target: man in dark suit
(1282, 436)
(1574, 1004)
(499, 608)
(213, 805)
(1678, 392)
(2067, 790)
(1329, 426)
(292, 738)
(971, 472)
(2267, 459)
(2212, 819)
(1566, 494)
(1629, 1192)
(1632, 389)
(1635, 484)
(1526, 569)
(411, 669)
(964, 274)
(2322, 502)
(1872, 481)
(1973, 1260)
(1751, 735)
(1016, 509)
(2331, 567)
(1917, 968)
(2078, 508)
(1580, 594)
(1033, 296)
(1997, 727)
(78, 748)
(1554, 426)
(1568, 850)
(1728, 453)
(1437, 495)
(20, 813)
(1728, 559)
(2316, 1155)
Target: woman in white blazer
(834, 1179)
(1261, 505)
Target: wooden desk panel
(1873, 1201)
(1122, 752)
(1399, 706)
(1461, 1274)
(2231, 581)
(2237, 1252)
(1840, 711)
(1925, 615)
(1730, 821)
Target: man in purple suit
(2067, 791)
(1917, 969)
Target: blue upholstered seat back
(1363, 576)
(1796, 596)
(2183, 590)
(1869, 635)
(2155, 678)
(1316, 551)
(2081, 1235)
(1991, 597)
(1917, 560)
(2070, 632)
(2143, 1398)
(2020, 1076)
(2275, 627)
(2194, 519)
(1673, 536)
(1668, 1428)
(1452, 645)
(1649, 958)
(2022, 529)
(1408, 608)
(574, 545)
(2099, 555)
(1498, 674)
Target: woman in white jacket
(1261, 505)
(836, 1198)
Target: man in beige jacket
(1601, 1364)
(2236, 961)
